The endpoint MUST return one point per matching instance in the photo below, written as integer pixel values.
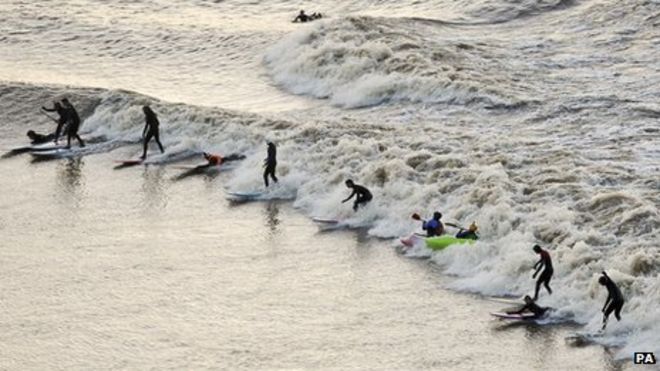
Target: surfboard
(325, 220)
(516, 317)
(129, 162)
(244, 196)
(53, 153)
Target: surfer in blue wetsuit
(470, 233)
(270, 163)
(614, 301)
(433, 227)
(532, 307)
(73, 123)
(61, 112)
(546, 263)
(363, 196)
(150, 130)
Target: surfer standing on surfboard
(150, 130)
(270, 163)
(57, 107)
(73, 123)
(363, 196)
(546, 275)
(614, 301)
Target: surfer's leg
(266, 176)
(156, 135)
(547, 276)
(272, 173)
(147, 138)
(80, 141)
(538, 287)
(617, 310)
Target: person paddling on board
(470, 233)
(73, 123)
(546, 263)
(302, 17)
(150, 130)
(433, 227)
(363, 196)
(532, 307)
(61, 112)
(270, 163)
(614, 301)
(36, 138)
(213, 160)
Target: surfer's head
(537, 249)
(349, 183)
(602, 280)
(437, 215)
(473, 227)
(31, 134)
(528, 299)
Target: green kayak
(440, 242)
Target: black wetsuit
(151, 131)
(546, 275)
(73, 125)
(270, 164)
(61, 111)
(302, 17)
(614, 301)
(533, 308)
(41, 138)
(467, 234)
(362, 194)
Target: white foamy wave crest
(362, 61)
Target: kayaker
(470, 233)
(546, 263)
(614, 301)
(363, 196)
(532, 307)
(433, 227)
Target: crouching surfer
(530, 307)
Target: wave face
(537, 119)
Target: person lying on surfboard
(470, 233)
(614, 301)
(546, 263)
(36, 138)
(433, 227)
(363, 196)
(530, 306)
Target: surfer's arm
(48, 109)
(540, 266)
(607, 301)
(349, 197)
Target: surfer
(614, 301)
(270, 163)
(213, 160)
(36, 138)
(61, 112)
(73, 123)
(302, 17)
(363, 196)
(433, 227)
(470, 233)
(150, 130)
(532, 307)
(546, 263)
